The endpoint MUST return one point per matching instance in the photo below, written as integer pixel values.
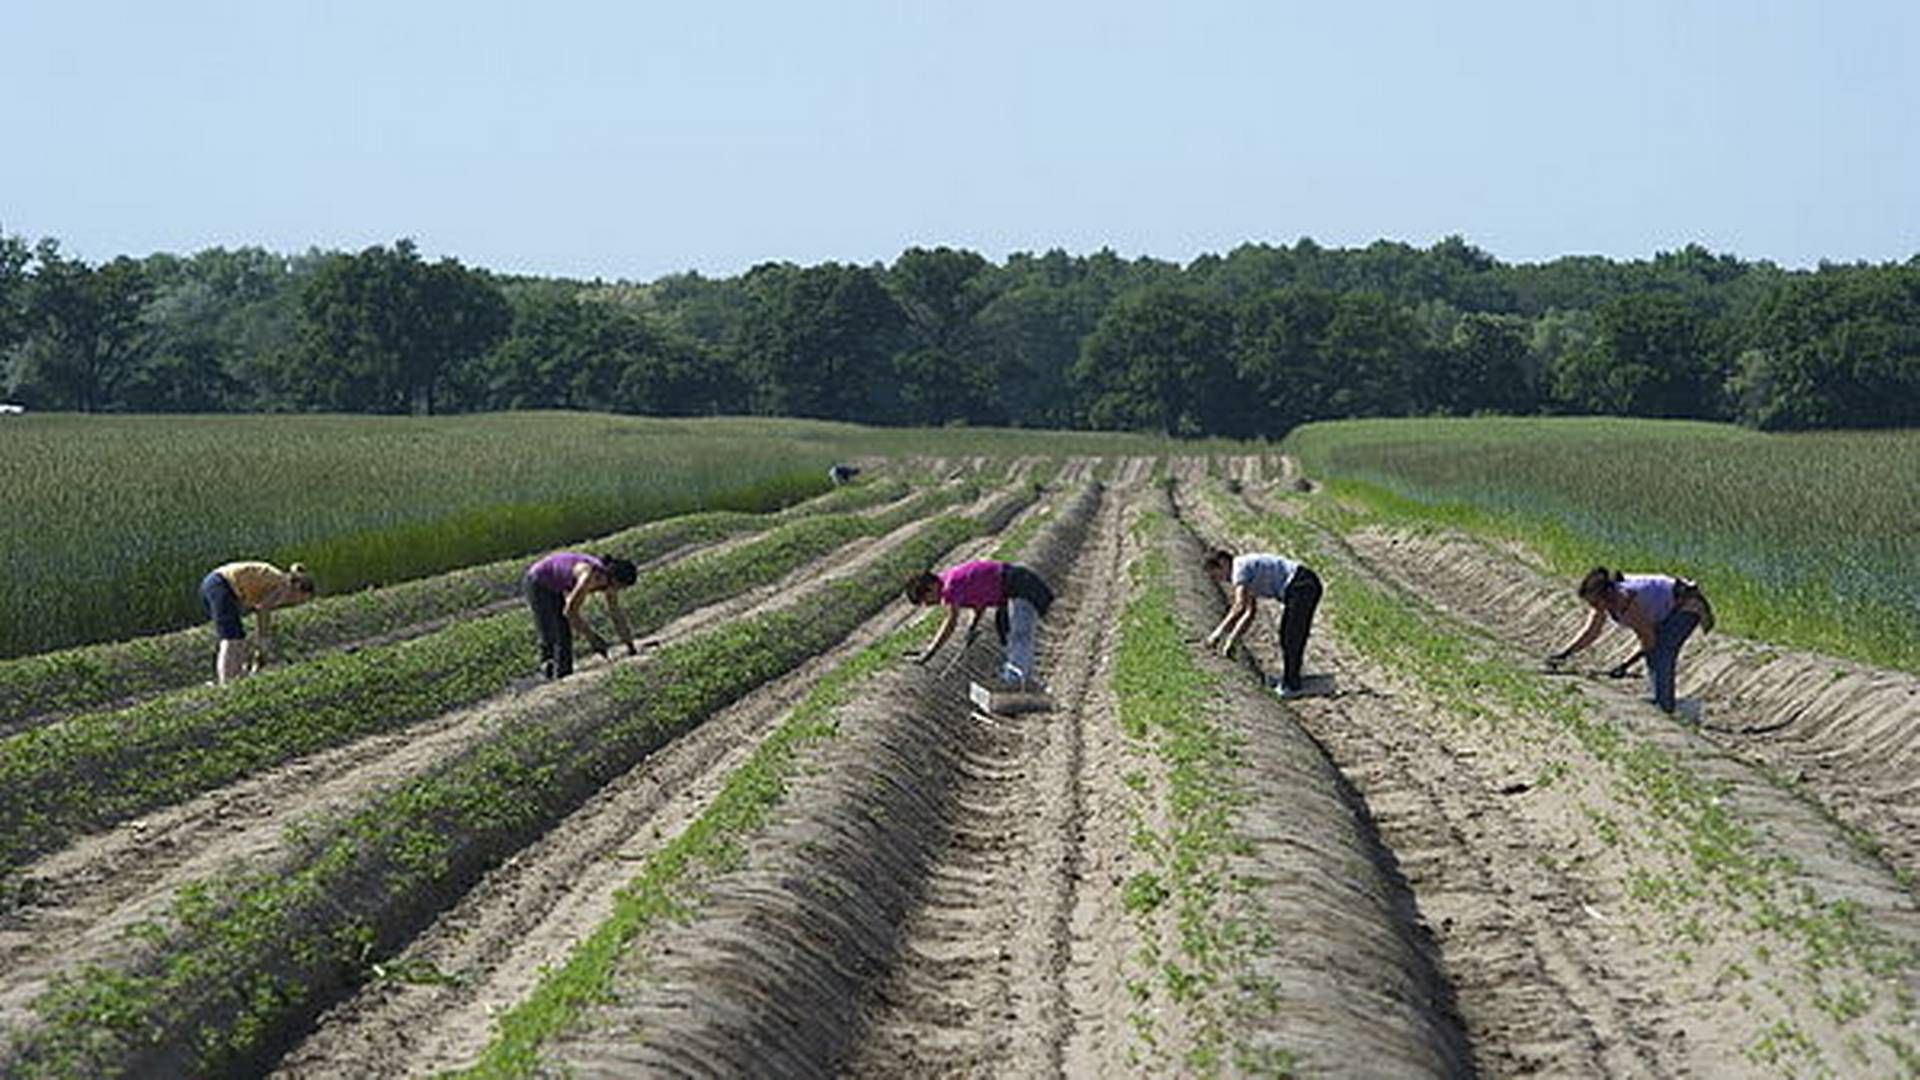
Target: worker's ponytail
(1599, 582)
(301, 578)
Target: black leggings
(556, 634)
(1302, 596)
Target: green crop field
(112, 520)
(1809, 539)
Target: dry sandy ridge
(1842, 733)
(942, 894)
(528, 913)
(1525, 861)
(908, 804)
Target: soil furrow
(772, 974)
(1839, 732)
(1530, 993)
(487, 952)
(981, 984)
(86, 897)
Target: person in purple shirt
(1018, 597)
(1661, 611)
(557, 588)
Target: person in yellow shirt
(232, 590)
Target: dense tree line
(1244, 344)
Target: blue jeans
(1021, 614)
(1663, 658)
(223, 607)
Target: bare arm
(1596, 622)
(262, 636)
(940, 637)
(575, 610)
(1226, 621)
(1636, 621)
(619, 616)
(1245, 606)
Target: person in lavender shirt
(1661, 611)
(557, 588)
(1018, 597)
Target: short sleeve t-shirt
(976, 584)
(254, 583)
(555, 573)
(1651, 593)
(1264, 575)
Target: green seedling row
(64, 779)
(1731, 873)
(97, 676)
(239, 964)
(1200, 970)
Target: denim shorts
(223, 607)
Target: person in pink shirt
(1018, 597)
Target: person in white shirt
(1260, 576)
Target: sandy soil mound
(1846, 733)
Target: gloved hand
(632, 649)
(599, 644)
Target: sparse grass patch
(1166, 702)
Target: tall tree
(1650, 357)
(1481, 367)
(14, 283)
(381, 330)
(818, 341)
(1839, 348)
(86, 331)
(1161, 360)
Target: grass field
(112, 520)
(1810, 540)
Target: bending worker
(557, 588)
(1019, 599)
(1661, 611)
(1260, 576)
(232, 590)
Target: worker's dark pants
(1301, 597)
(556, 634)
(1663, 660)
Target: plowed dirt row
(1533, 991)
(85, 898)
(1581, 927)
(943, 894)
(1844, 734)
(768, 980)
(487, 952)
(1340, 970)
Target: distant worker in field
(843, 474)
(557, 588)
(1018, 596)
(1661, 611)
(232, 590)
(1258, 576)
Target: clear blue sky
(631, 140)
